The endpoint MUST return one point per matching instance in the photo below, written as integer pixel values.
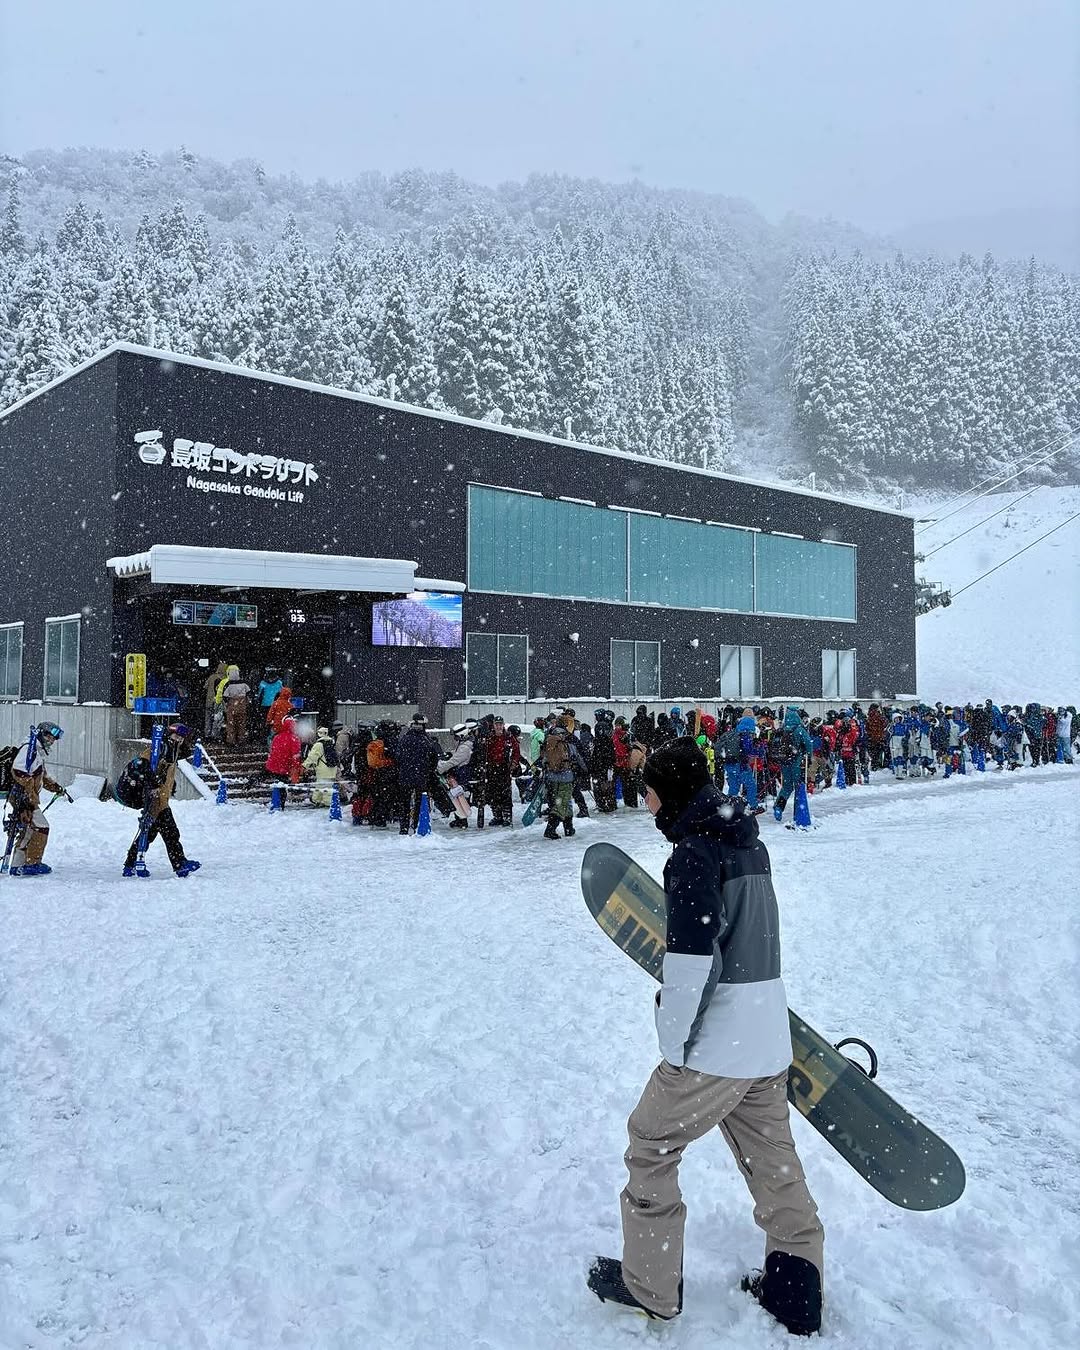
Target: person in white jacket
(1064, 734)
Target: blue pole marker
(423, 820)
(222, 793)
(277, 794)
(841, 776)
(335, 804)
(802, 807)
(196, 755)
(618, 792)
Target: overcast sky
(882, 113)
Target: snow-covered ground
(1015, 636)
(340, 1091)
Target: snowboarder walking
(722, 1024)
(160, 789)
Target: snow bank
(1015, 636)
(342, 1090)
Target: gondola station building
(390, 557)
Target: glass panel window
(11, 642)
(496, 665)
(622, 669)
(635, 669)
(801, 576)
(690, 566)
(646, 670)
(837, 674)
(62, 659)
(525, 545)
(740, 672)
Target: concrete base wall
(96, 739)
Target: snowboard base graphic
(902, 1159)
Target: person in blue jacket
(794, 746)
(746, 776)
(678, 722)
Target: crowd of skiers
(755, 752)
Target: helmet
(418, 720)
(462, 729)
(177, 729)
(49, 729)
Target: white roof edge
(439, 416)
(142, 564)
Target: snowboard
(535, 804)
(892, 1150)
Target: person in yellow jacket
(160, 790)
(29, 776)
(322, 760)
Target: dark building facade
(586, 574)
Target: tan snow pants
(677, 1107)
(31, 840)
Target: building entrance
(187, 636)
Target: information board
(215, 614)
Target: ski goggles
(50, 729)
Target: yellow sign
(134, 677)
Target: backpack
(730, 746)
(555, 754)
(7, 763)
(330, 754)
(784, 744)
(377, 757)
(133, 782)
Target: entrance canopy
(184, 565)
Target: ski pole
(63, 792)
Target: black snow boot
(568, 827)
(790, 1289)
(552, 831)
(607, 1283)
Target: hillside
(1014, 637)
(675, 324)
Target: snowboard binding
(871, 1069)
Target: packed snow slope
(1014, 637)
(341, 1090)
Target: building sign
(214, 468)
(215, 614)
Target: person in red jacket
(847, 748)
(279, 710)
(283, 761)
(877, 737)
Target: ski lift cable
(1008, 507)
(1017, 554)
(1066, 444)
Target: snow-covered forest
(668, 323)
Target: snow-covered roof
(498, 427)
(190, 565)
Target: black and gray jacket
(723, 1008)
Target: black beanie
(677, 773)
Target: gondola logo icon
(151, 449)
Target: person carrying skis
(794, 747)
(160, 786)
(29, 824)
(722, 1025)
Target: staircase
(241, 766)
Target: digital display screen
(215, 614)
(419, 619)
